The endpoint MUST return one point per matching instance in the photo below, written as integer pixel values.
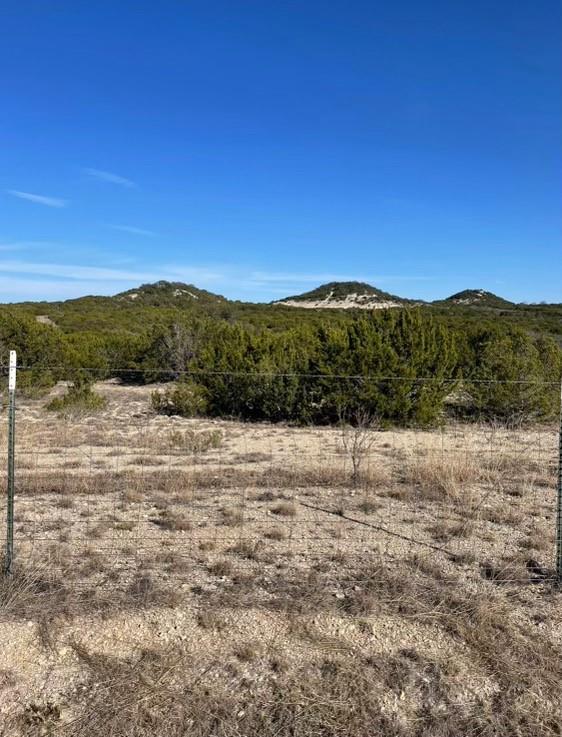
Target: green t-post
(11, 470)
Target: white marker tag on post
(12, 374)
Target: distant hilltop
(476, 298)
(163, 293)
(363, 296)
(344, 295)
(336, 295)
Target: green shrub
(268, 363)
(514, 374)
(187, 399)
(79, 398)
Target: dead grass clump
(232, 516)
(172, 521)
(94, 533)
(267, 496)
(133, 496)
(42, 595)
(443, 531)
(538, 540)
(507, 572)
(307, 476)
(444, 477)
(309, 592)
(212, 620)
(145, 591)
(253, 457)
(147, 461)
(464, 558)
(32, 592)
(65, 483)
(8, 678)
(221, 568)
(368, 506)
(39, 719)
(93, 562)
(276, 533)
(247, 651)
(486, 622)
(56, 524)
(248, 549)
(170, 694)
(325, 476)
(48, 629)
(502, 515)
(173, 562)
(285, 509)
(516, 464)
(191, 441)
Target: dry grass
(248, 549)
(232, 516)
(285, 509)
(148, 460)
(275, 533)
(502, 515)
(336, 690)
(212, 620)
(173, 522)
(221, 568)
(439, 477)
(225, 601)
(368, 506)
(188, 441)
(445, 530)
(42, 593)
(133, 496)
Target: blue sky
(259, 148)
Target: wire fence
(125, 499)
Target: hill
(167, 294)
(138, 310)
(344, 295)
(476, 298)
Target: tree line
(401, 366)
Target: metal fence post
(11, 470)
(559, 501)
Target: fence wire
(245, 556)
(124, 498)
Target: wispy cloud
(13, 246)
(109, 176)
(67, 271)
(41, 280)
(38, 198)
(10, 245)
(104, 274)
(135, 231)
